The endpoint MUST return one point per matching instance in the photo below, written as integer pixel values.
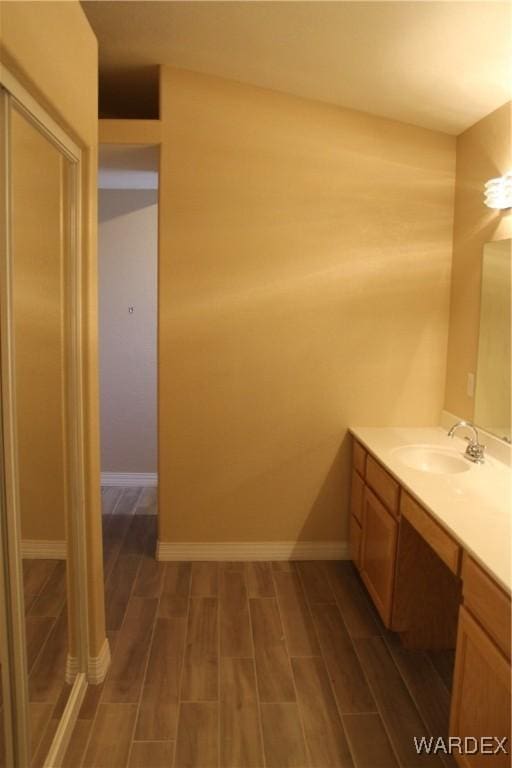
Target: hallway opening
(127, 256)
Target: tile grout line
(103, 489)
(35, 748)
(182, 667)
(100, 700)
(383, 720)
(148, 656)
(370, 687)
(258, 701)
(118, 501)
(341, 715)
(299, 708)
(219, 661)
(110, 517)
(438, 675)
(350, 745)
(133, 507)
(317, 634)
(45, 582)
(136, 502)
(53, 625)
(139, 499)
(45, 642)
(412, 696)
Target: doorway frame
(13, 96)
(143, 132)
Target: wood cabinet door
(481, 693)
(378, 553)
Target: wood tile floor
(46, 632)
(44, 587)
(248, 665)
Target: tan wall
(129, 131)
(483, 152)
(304, 286)
(66, 83)
(127, 242)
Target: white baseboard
(67, 722)
(258, 550)
(148, 479)
(38, 549)
(71, 669)
(98, 665)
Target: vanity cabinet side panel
(355, 542)
(378, 553)
(356, 497)
(481, 692)
(358, 458)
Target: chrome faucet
(474, 451)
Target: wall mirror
(493, 374)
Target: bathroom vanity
(430, 537)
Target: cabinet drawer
(355, 542)
(356, 497)
(442, 544)
(487, 602)
(358, 458)
(386, 487)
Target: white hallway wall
(127, 238)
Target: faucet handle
(475, 452)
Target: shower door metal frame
(14, 96)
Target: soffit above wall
(441, 65)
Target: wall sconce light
(498, 192)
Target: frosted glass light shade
(498, 192)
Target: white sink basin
(432, 458)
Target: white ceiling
(441, 65)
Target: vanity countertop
(474, 506)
